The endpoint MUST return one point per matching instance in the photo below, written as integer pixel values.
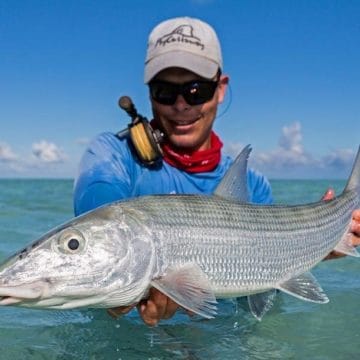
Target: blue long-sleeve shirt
(110, 171)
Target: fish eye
(73, 244)
(70, 241)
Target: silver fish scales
(242, 246)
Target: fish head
(101, 259)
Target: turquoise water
(293, 329)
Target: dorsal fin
(233, 186)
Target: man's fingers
(355, 225)
(153, 309)
(149, 312)
(158, 306)
(166, 307)
(334, 255)
(355, 240)
(329, 194)
(171, 308)
(355, 228)
(118, 311)
(356, 215)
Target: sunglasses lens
(163, 92)
(194, 92)
(197, 93)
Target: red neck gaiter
(197, 161)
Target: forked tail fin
(353, 183)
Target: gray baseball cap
(186, 43)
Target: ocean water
(293, 329)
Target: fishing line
(227, 105)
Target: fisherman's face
(188, 126)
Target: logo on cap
(182, 34)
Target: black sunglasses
(195, 92)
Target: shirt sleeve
(104, 174)
(259, 188)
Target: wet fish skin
(193, 248)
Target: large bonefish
(193, 248)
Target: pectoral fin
(304, 287)
(188, 286)
(261, 303)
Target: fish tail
(353, 183)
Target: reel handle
(127, 105)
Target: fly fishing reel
(145, 139)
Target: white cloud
(6, 153)
(291, 138)
(45, 160)
(233, 149)
(290, 150)
(290, 160)
(339, 158)
(48, 152)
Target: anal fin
(304, 287)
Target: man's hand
(354, 227)
(156, 307)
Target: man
(183, 70)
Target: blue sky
(293, 67)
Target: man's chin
(185, 143)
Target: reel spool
(145, 139)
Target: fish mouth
(11, 295)
(8, 300)
(40, 295)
